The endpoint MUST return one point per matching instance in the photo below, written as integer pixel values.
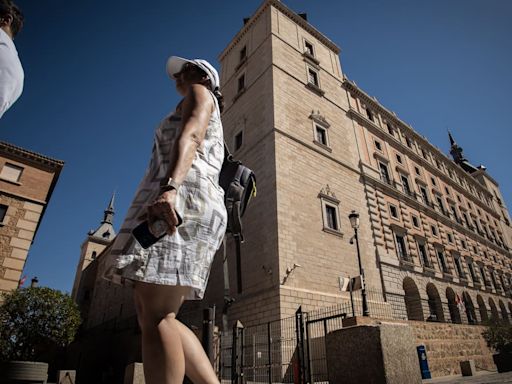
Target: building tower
(286, 116)
(27, 181)
(96, 241)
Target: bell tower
(96, 241)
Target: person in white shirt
(11, 71)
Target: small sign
(346, 283)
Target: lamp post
(354, 222)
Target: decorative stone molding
(328, 194)
(319, 118)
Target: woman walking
(180, 184)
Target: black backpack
(239, 184)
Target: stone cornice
(352, 87)
(419, 159)
(286, 11)
(29, 155)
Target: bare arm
(196, 111)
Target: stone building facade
(434, 232)
(27, 181)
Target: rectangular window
(243, 53)
(3, 212)
(458, 265)
(321, 134)
(463, 244)
(424, 256)
(454, 212)
(405, 183)
(417, 170)
(239, 139)
(415, 221)
(391, 130)
(11, 172)
(493, 279)
(408, 142)
(503, 285)
(434, 230)
(466, 219)
(312, 77)
(482, 273)
(384, 173)
(450, 238)
(331, 217)
(400, 247)
(441, 206)
(369, 114)
(442, 261)
(472, 272)
(241, 83)
(308, 48)
(433, 181)
(399, 158)
(378, 145)
(424, 194)
(393, 211)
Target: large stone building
(27, 181)
(434, 232)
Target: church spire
(109, 212)
(106, 230)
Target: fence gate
(290, 350)
(317, 329)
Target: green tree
(34, 321)
(499, 336)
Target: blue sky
(96, 88)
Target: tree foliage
(35, 320)
(499, 336)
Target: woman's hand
(163, 209)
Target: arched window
(482, 309)
(470, 308)
(494, 310)
(453, 307)
(504, 313)
(93, 255)
(434, 304)
(412, 300)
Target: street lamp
(354, 222)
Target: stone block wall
(16, 233)
(449, 344)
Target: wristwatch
(168, 184)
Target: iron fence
(293, 350)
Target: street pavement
(480, 378)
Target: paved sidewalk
(481, 378)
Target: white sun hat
(175, 63)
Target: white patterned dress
(185, 257)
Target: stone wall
(449, 344)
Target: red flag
(22, 281)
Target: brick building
(434, 231)
(27, 181)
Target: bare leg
(162, 351)
(197, 364)
(169, 348)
